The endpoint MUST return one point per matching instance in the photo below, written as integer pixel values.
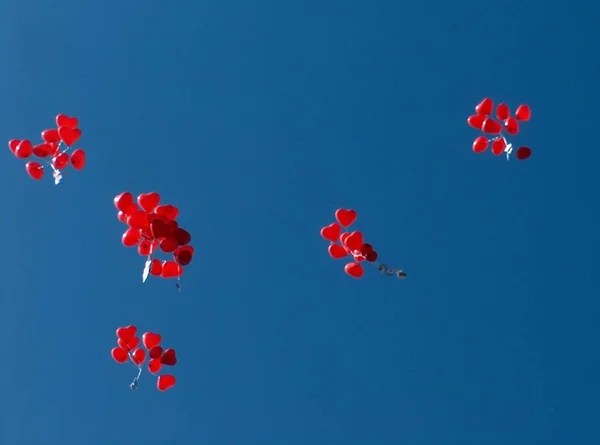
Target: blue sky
(259, 119)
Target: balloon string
(133, 385)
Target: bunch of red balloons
(344, 243)
(504, 121)
(51, 150)
(128, 349)
(153, 227)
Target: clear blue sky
(258, 119)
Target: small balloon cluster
(344, 243)
(128, 350)
(154, 227)
(67, 132)
(488, 125)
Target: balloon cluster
(488, 125)
(154, 227)
(128, 350)
(67, 132)
(344, 243)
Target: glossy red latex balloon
(168, 211)
(355, 240)
(69, 135)
(523, 113)
(491, 126)
(365, 249)
(156, 352)
(169, 357)
(148, 201)
(119, 355)
(523, 153)
(35, 170)
(165, 381)
(24, 149)
(159, 229)
(138, 356)
(13, 144)
(170, 269)
(184, 255)
(168, 245)
(156, 267)
(336, 251)
(485, 107)
(123, 201)
(355, 270)
(78, 159)
(127, 333)
(154, 366)
(502, 112)
(480, 144)
(138, 220)
(372, 256)
(128, 345)
(476, 121)
(498, 146)
(61, 161)
(145, 247)
(43, 150)
(345, 216)
(512, 126)
(182, 236)
(331, 232)
(151, 339)
(50, 136)
(62, 120)
(131, 237)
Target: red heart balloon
(159, 228)
(485, 107)
(372, 256)
(354, 240)
(69, 135)
(123, 201)
(151, 339)
(62, 120)
(490, 126)
(127, 333)
(498, 146)
(138, 356)
(24, 149)
(128, 345)
(148, 201)
(165, 382)
(523, 113)
(366, 248)
(156, 352)
(331, 232)
(355, 270)
(476, 121)
(168, 211)
(523, 153)
(182, 236)
(168, 245)
(343, 237)
(43, 150)
(78, 159)
(145, 247)
(138, 219)
(345, 216)
(169, 357)
(154, 366)
(35, 170)
(502, 112)
(480, 144)
(13, 144)
(170, 269)
(156, 267)
(51, 136)
(184, 255)
(61, 161)
(131, 237)
(119, 355)
(512, 126)
(336, 251)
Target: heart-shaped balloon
(171, 269)
(355, 270)
(61, 161)
(119, 355)
(35, 170)
(182, 236)
(160, 229)
(168, 245)
(128, 345)
(78, 159)
(372, 256)
(156, 267)
(498, 146)
(165, 382)
(13, 144)
(156, 352)
(336, 251)
(476, 121)
(24, 149)
(480, 144)
(366, 248)
(51, 136)
(184, 255)
(491, 126)
(123, 202)
(485, 107)
(148, 201)
(137, 220)
(523, 153)
(343, 237)
(145, 247)
(138, 356)
(42, 150)
(354, 240)
(512, 126)
(168, 211)
(331, 232)
(131, 237)
(169, 357)
(62, 120)
(523, 113)
(151, 339)
(502, 112)
(345, 216)
(154, 365)
(69, 135)
(127, 333)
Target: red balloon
(24, 149)
(13, 144)
(156, 268)
(51, 136)
(476, 121)
(498, 146)
(372, 256)
(480, 144)
(354, 241)
(345, 216)
(336, 251)
(69, 135)
(127, 333)
(35, 170)
(148, 201)
(184, 255)
(502, 112)
(159, 228)
(145, 247)
(138, 219)
(523, 153)
(355, 270)
(168, 245)
(523, 113)
(366, 248)
(485, 107)
(169, 357)
(119, 355)
(165, 382)
(62, 120)
(131, 237)
(491, 126)
(121, 216)
(168, 211)
(151, 339)
(156, 352)
(512, 126)
(154, 365)
(170, 269)
(61, 161)
(138, 356)
(182, 237)
(78, 159)
(128, 345)
(331, 232)
(123, 201)
(43, 150)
